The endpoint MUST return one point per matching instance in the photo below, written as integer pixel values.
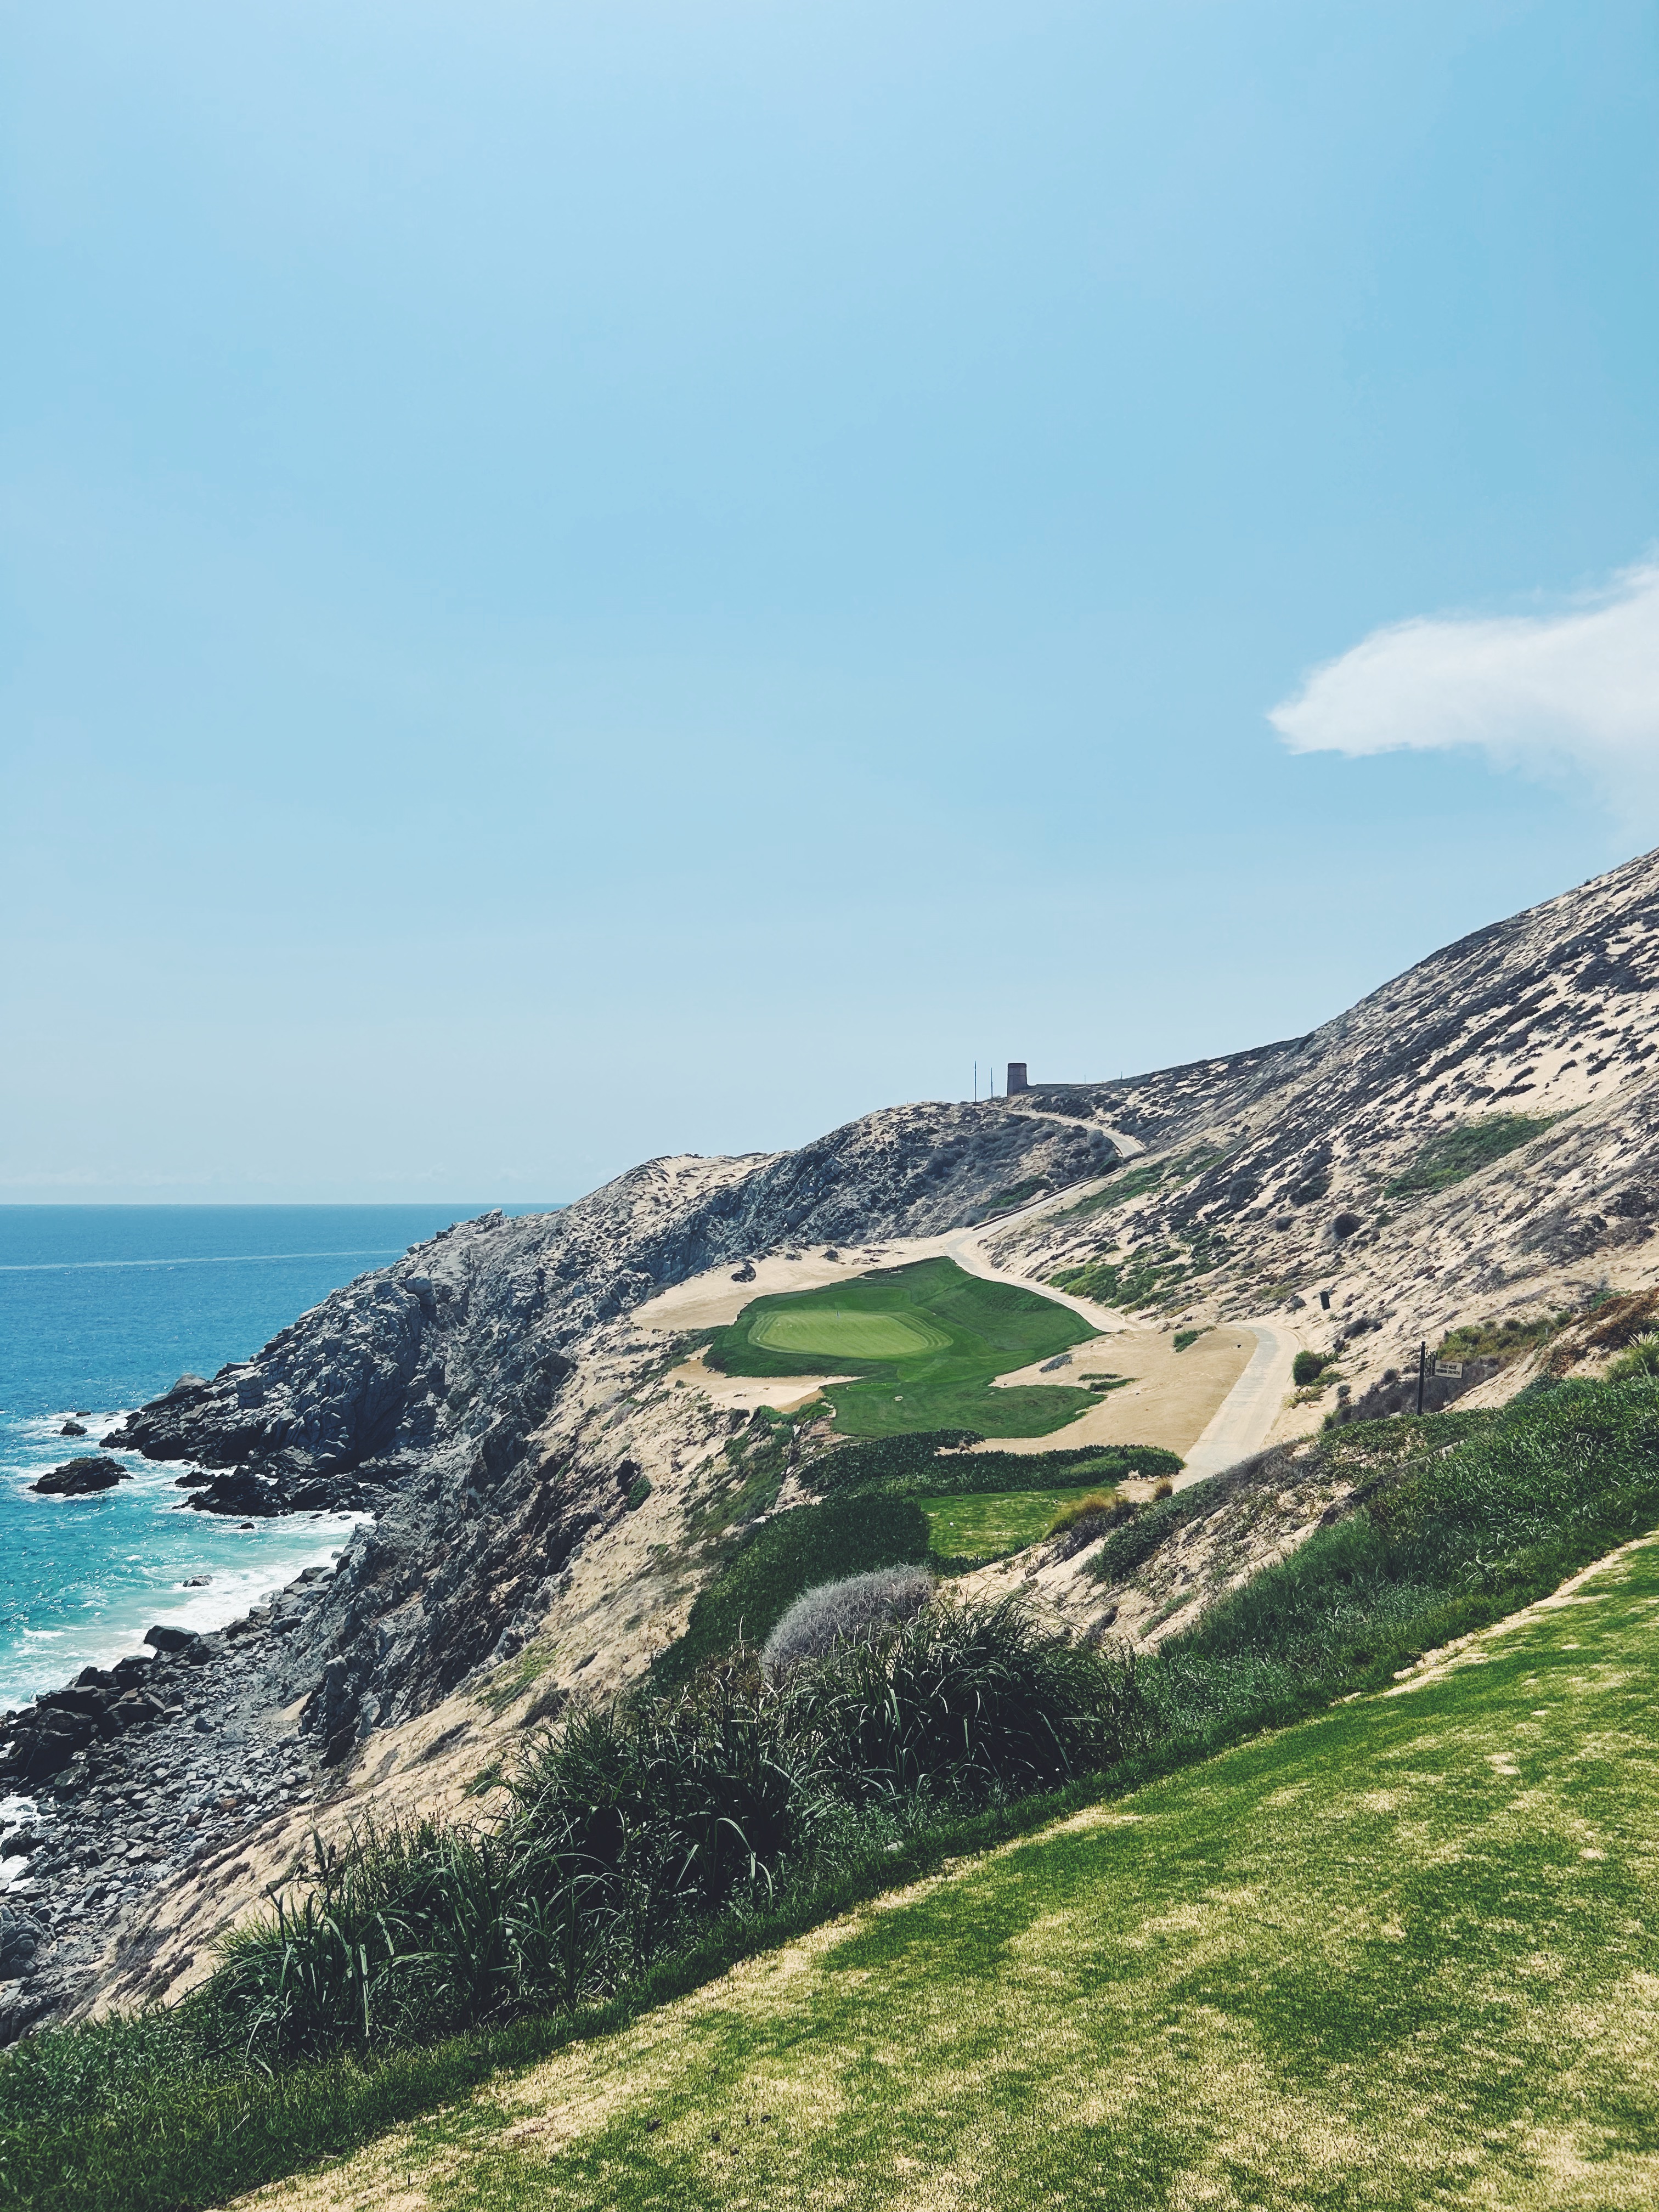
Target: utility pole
(1422, 1370)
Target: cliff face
(416, 1392)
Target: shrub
(795, 1552)
(1642, 1359)
(1308, 1366)
(1095, 1507)
(1078, 1526)
(972, 1703)
(1164, 1489)
(972, 1475)
(636, 1826)
(860, 1606)
(884, 1459)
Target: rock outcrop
(81, 1478)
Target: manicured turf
(1399, 1955)
(927, 1342)
(983, 1526)
(820, 1332)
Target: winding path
(1239, 1425)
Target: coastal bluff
(534, 1482)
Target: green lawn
(982, 1526)
(924, 1342)
(1400, 1955)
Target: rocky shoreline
(164, 1765)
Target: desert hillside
(553, 1477)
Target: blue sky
(581, 582)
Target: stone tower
(1016, 1078)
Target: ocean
(102, 1307)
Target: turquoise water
(101, 1308)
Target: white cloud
(1575, 689)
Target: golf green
(836, 1333)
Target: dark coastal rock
(71, 1428)
(240, 1491)
(165, 1638)
(81, 1478)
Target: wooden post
(1422, 1370)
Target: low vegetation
(891, 1502)
(989, 1524)
(1308, 1366)
(1462, 1152)
(794, 1552)
(1505, 1340)
(940, 1472)
(1393, 1958)
(1149, 1275)
(647, 1844)
(927, 1342)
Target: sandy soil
(743, 1393)
(712, 1300)
(1171, 1401)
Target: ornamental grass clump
(1641, 1360)
(638, 1826)
(969, 1704)
(854, 1609)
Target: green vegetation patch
(984, 1525)
(1150, 1275)
(1308, 1366)
(1462, 1152)
(915, 1467)
(794, 1552)
(1500, 1340)
(1131, 1183)
(926, 1341)
(1394, 1957)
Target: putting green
(843, 1333)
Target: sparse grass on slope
(1463, 1150)
(1399, 1955)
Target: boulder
(167, 1639)
(135, 1706)
(239, 1492)
(20, 1939)
(71, 1428)
(80, 1478)
(86, 1704)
